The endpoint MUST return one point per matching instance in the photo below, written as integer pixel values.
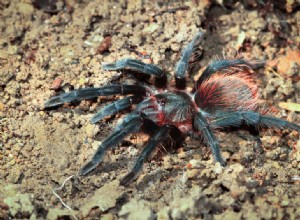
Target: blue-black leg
(158, 137)
(115, 107)
(201, 124)
(89, 93)
(229, 119)
(273, 122)
(135, 65)
(130, 124)
(182, 65)
(253, 119)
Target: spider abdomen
(227, 92)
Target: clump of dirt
(55, 46)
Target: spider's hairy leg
(228, 119)
(270, 121)
(218, 65)
(130, 124)
(254, 119)
(183, 64)
(235, 119)
(158, 137)
(89, 93)
(115, 107)
(201, 124)
(135, 65)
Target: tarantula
(225, 95)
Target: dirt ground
(54, 46)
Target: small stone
(193, 173)
(107, 216)
(175, 47)
(1, 106)
(194, 163)
(168, 163)
(273, 199)
(273, 155)
(228, 215)
(151, 28)
(252, 184)
(177, 214)
(12, 162)
(105, 198)
(56, 84)
(14, 175)
(56, 213)
(137, 210)
(181, 154)
(86, 60)
(285, 203)
(10, 156)
(218, 168)
(81, 81)
(282, 157)
(91, 130)
(184, 178)
(163, 214)
(104, 45)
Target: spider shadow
(254, 136)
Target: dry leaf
(290, 106)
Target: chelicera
(225, 95)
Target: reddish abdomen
(227, 92)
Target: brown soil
(46, 47)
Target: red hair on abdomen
(227, 92)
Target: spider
(225, 95)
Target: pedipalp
(115, 107)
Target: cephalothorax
(225, 95)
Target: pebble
(282, 157)
(86, 60)
(192, 173)
(12, 162)
(108, 216)
(56, 84)
(181, 154)
(168, 163)
(184, 178)
(10, 156)
(195, 163)
(285, 203)
(175, 47)
(218, 168)
(176, 213)
(1, 106)
(104, 45)
(90, 130)
(81, 81)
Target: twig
(60, 199)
